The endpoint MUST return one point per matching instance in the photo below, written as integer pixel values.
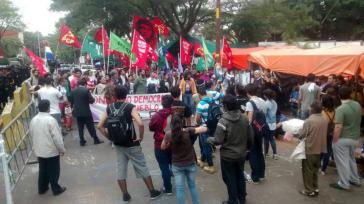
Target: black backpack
(119, 129)
(259, 122)
(214, 114)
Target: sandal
(309, 194)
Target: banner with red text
(143, 102)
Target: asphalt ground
(89, 173)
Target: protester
(80, 101)
(153, 83)
(216, 96)
(100, 87)
(180, 141)
(188, 88)
(346, 135)
(314, 132)
(140, 83)
(205, 161)
(75, 78)
(258, 79)
(179, 107)
(90, 82)
(123, 78)
(308, 93)
(271, 119)
(54, 96)
(48, 146)
(293, 100)
(158, 124)
(331, 83)
(131, 149)
(233, 133)
(241, 97)
(256, 158)
(328, 111)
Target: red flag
(147, 30)
(229, 55)
(185, 51)
(197, 49)
(152, 55)
(141, 49)
(66, 37)
(160, 26)
(37, 61)
(102, 37)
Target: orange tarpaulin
(344, 59)
(240, 57)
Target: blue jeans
(304, 114)
(187, 99)
(164, 159)
(256, 159)
(58, 117)
(326, 156)
(180, 174)
(269, 138)
(206, 149)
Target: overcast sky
(36, 15)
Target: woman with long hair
(180, 141)
(270, 116)
(328, 111)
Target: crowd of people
(209, 108)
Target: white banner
(143, 102)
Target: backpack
(117, 126)
(259, 122)
(331, 125)
(214, 114)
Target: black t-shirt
(129, 107)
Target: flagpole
(221, 52)
(204, 45)
(55, 54)
(103, 46)
(180, 49)
(132, 41)
(108, 56)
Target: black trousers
(233, 177)
(89, 122)
(49, 170)
(256, 159)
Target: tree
(179, 15)
(9, 18)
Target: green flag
(92, 47)
(162, 61)
(119, 44)
(208, 56)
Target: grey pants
(344, 154)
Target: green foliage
(11, 46)
(116, 15)
(9, 17)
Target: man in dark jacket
(233, 133)
(158, 124)
(80, 100)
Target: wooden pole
(218, 22)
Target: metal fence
(16, 148)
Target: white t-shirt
(260, 103)
(53, 95)
(152, 81)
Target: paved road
(89, 174)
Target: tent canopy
(346, 59)
(240, 57)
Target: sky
(36, 15)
